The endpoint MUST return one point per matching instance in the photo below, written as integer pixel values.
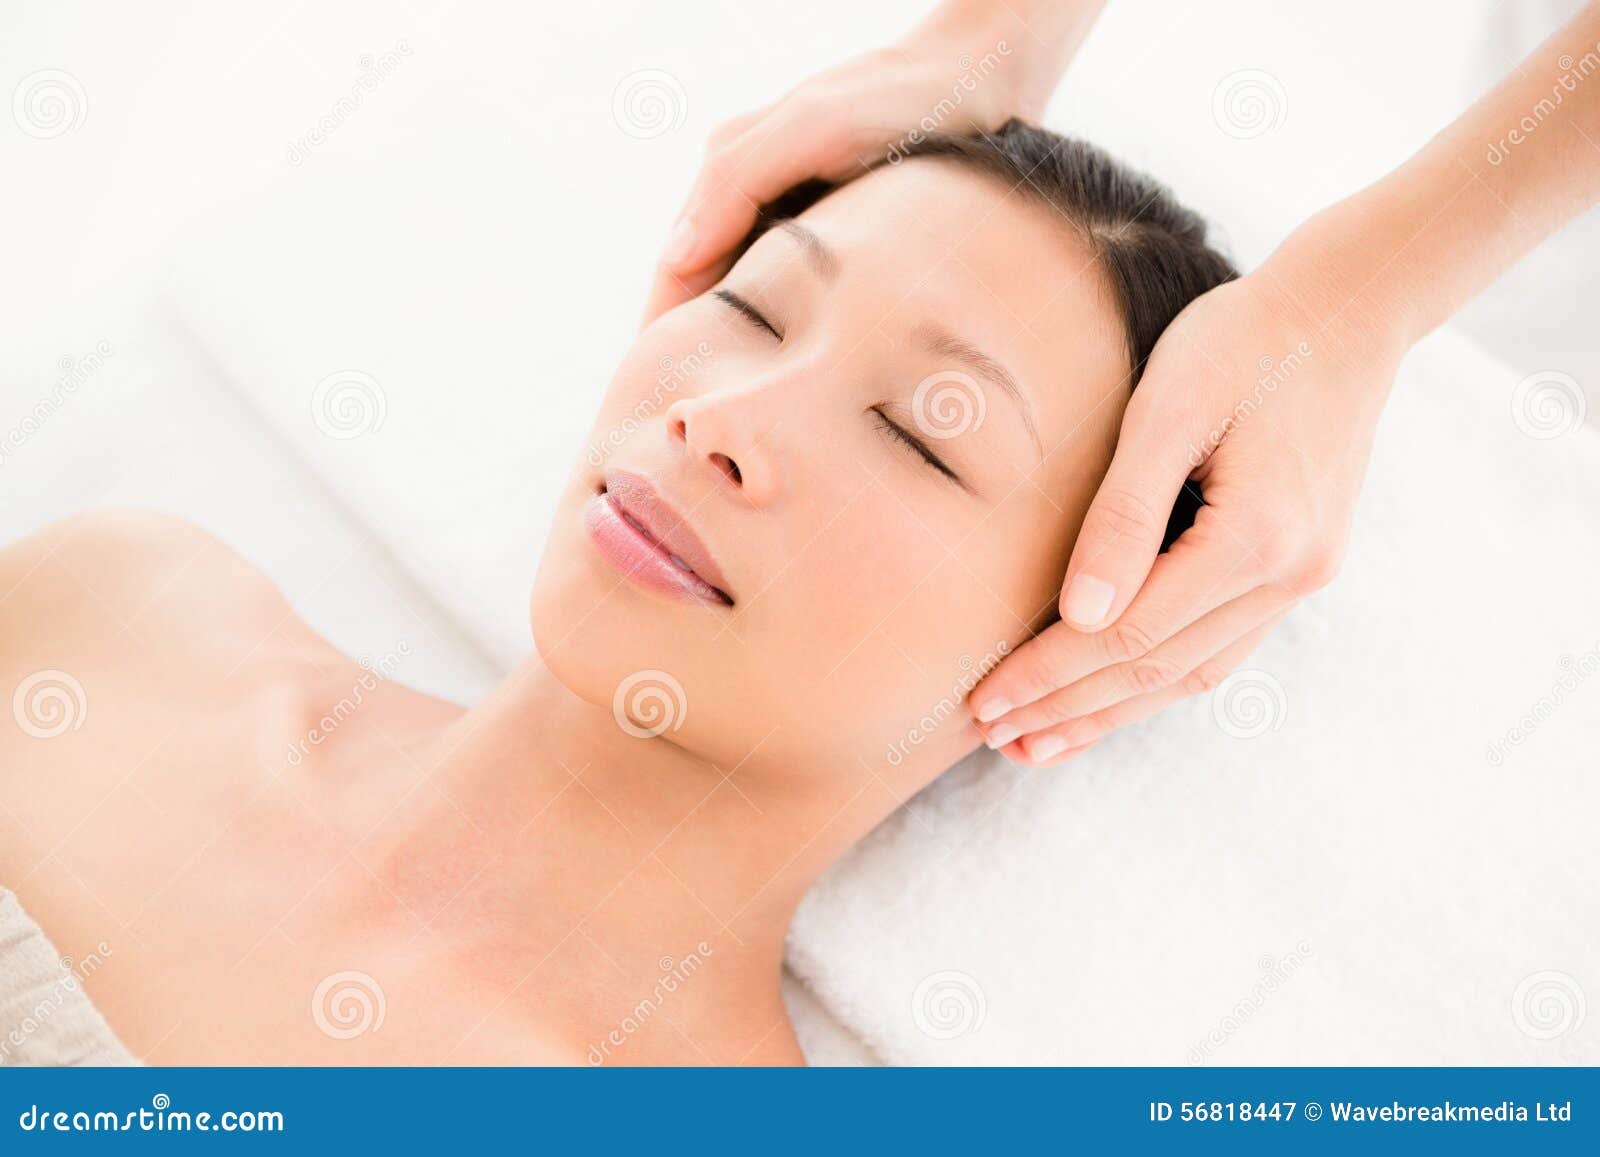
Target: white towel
(46, 1017)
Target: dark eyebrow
(821, 257)
(941, 341)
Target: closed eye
(916, 445)
(749, 312)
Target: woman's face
(872, 446)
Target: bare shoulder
(109, 581)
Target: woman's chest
(218, 884)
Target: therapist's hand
(1264, 393)
(968, 68)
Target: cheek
(879, 619)
(856, 569)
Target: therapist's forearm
(1040, 36)
(1400, 257)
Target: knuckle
(1276, 551)
(1317, 571)
(721, 164)
(1125, 515)
(1154, 673)
(1126, 642)
(726, 133)
(1033, 675)
(1205, 678)
(1053, 710)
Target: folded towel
(46, 1017)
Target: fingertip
(1086, 601)
(990, 707)
(1045, 747)
(1001, 735)
(681, 245)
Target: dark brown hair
(1154, 250)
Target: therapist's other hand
(971, 73)
(1265, 394)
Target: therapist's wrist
(1018, 49)
(1340, 272)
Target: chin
(616, 646)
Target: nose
(729, 432)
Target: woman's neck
(548, 842)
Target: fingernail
(1046, 747)
(1088, 599)
(1001, 736)
(680, 243)
(991, 709)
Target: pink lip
(640, 534)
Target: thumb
(1122, 532)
